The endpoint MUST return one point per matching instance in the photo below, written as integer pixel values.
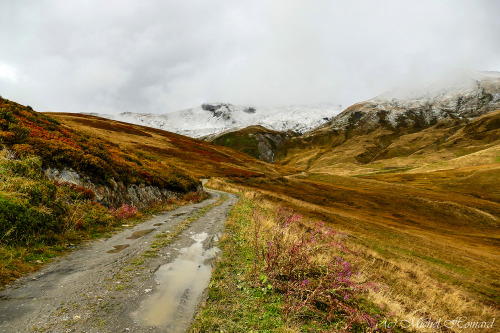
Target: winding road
(149, 278)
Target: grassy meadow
(431, 249)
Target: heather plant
(124, 212)
(310, 288)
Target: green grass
(235, 302)
(240, 141)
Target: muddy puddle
(118, 248)
(180, 286)
(140, 233)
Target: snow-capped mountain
(213, 118)
(468, 97)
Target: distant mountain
(404, 126)
(466, 98)
(211, 118)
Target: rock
(113, 195)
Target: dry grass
(433, 254)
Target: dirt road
(142, 279)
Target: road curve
(126, 283)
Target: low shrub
(294, 265)
(20, 223)
(196, 196)
(124, 212)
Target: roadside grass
(427, 264)
(281, 273)
(234, 303)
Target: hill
(256, 141)
(70, 155)
(199, 158)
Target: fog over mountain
(164, 56)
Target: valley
(406, 192)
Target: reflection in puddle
(181, 283)
(118, 248)
(140, 233)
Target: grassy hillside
(29, 133)
(420, 210)
(431, 253)
(256, 141)
(451, 143)
(200, 158)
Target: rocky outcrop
(256, 141)
(268, 143)
(221, 110)
(115, 194)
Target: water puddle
(118, 248)
(181, 284)
(140, 233)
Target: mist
(163, 56)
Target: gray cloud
(161, 56)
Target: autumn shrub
(196, 196)
(91, 215)
(124, 212)
(310, 288)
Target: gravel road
(126, 283)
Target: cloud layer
(161, 56)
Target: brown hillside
(386, 150)
(199, 158)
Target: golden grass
(447, 145)
(433, 254)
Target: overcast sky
(162, 56)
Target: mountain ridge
(212, 118)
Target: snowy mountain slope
(466, 98)
(213, 118)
